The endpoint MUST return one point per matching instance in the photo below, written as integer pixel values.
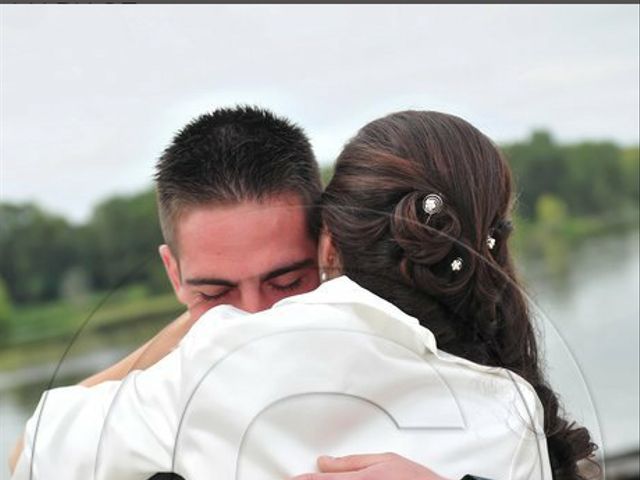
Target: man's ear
(172, 268)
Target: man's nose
(254, 301)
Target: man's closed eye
(286, 287)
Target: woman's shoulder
(495, 389)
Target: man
(237, 194)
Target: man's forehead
(246, 214)
(249, 239)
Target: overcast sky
(91, 94)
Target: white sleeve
(531, 458)
(61, 436)
(117, 429)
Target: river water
(586, 304)
(589, 317)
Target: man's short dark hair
(233, 155)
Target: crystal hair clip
(432, 204)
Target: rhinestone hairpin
(456, 265)
(432, 203)
(491, 242)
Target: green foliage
(75, 285)
(538, 168)
(551, 211)
(591, 178)
(5, 310)
(630, 172)
(37, 249)
(326, 172)
(120, 243)
(63, 318)
(44, 257)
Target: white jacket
(260, 396)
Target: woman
(418, 213)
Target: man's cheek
(197, 310)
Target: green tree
(630, 173)
(551, 211)
(326, 172)
(5, 311)
(591, 178)
(37, 248)
(538, 168)
(593, 182)
(121, 242)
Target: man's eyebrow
(210, 281)
(308, 262)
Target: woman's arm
(148, 354)
(15, 454)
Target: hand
(383, 466)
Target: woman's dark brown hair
(373, 208)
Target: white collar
(341, 290)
